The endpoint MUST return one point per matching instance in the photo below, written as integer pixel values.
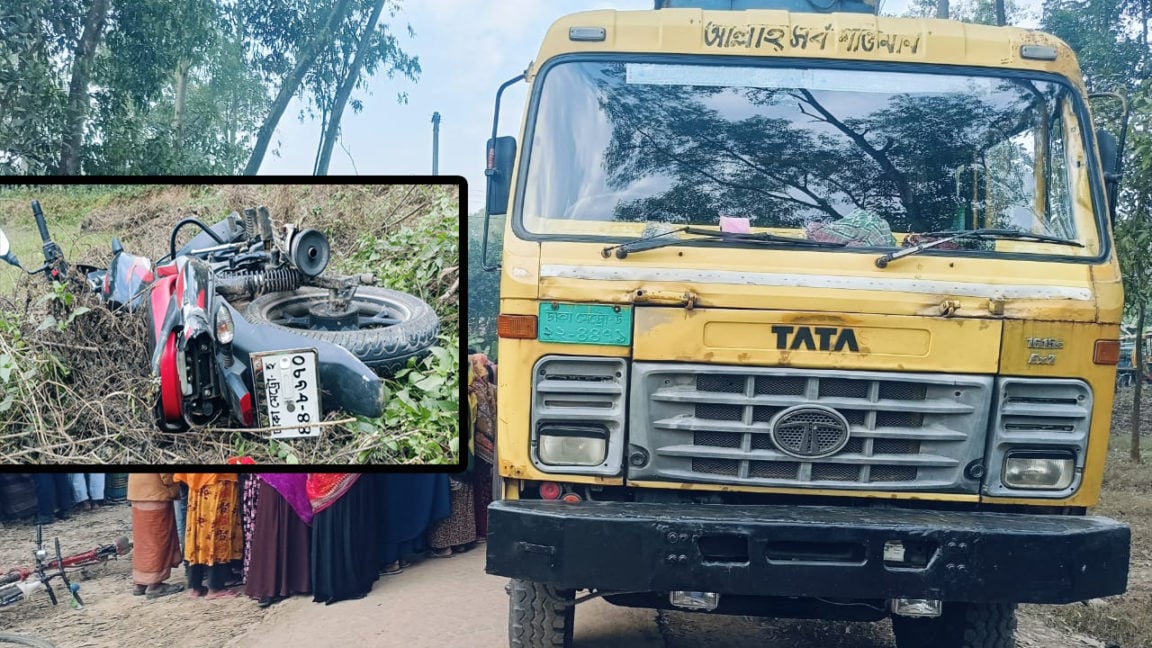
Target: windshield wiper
(952, 235)
(659, 241)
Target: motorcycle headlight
(225, 328)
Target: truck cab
(804, 312)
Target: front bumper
(808, 551)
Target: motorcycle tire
(385, 349)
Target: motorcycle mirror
(6, 251)
(310, 252)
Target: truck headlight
(572, 445)
(1039, 470)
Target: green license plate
(585, 324)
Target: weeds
(75, 379)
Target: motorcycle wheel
(391, 326)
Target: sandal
(442, 553)
(164, 589)
(139, 590)
(392, 569)
(267, 601)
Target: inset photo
(290, 321)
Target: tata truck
(804, 312)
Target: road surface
(453, 603)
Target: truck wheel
(539, 615)
(962, 625)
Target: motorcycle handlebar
(40, 222)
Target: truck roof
(784, 34)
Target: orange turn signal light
(516, 327)
(1107, 352)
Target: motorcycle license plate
(291, 392)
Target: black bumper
(809, 551)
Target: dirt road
(442, 603)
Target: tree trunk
(77, 109)
(345, 91)
(942, 9)
(1001, 17)
(292, 83)
(181, 78)
(1134, 448)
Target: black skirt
(345, 543)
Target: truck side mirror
(6, 253)
(501, 157)
(1110, 163)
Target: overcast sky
(467, 48)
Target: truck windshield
(866, 158)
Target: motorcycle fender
(163, 315)
(345, 382)
(126, 282)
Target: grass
(81, 392)
(1126, 620)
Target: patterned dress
(214, 539)
(251, 490)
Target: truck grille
(713, 424)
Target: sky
(467, 48)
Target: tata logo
(813, 338)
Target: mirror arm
(490, 171)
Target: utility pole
(435, 143)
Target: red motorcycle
(244, 323)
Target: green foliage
(483, 286)
(62, 313)
(420, 423)
(421, 420)
(421, 258)
(176, 87)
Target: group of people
(331, 535)
(49, 496)
(276, 535)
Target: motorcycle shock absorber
(251, 284)
(251, 230)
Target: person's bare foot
(196, 592)
(220, 594)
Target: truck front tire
(539, 615)
(962, 625)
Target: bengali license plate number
(291, 393)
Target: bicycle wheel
(21, 640)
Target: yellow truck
(804, 312)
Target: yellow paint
(898, 329)
(885, 342)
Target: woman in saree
(155, 545)
(213, 542)
(345, 535)
(279, 562)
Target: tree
(1110, 38)
(1134, 243)
(77, 108)
(310, 50)
(358, 53)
